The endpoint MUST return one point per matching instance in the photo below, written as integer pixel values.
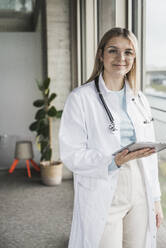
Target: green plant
(42, 123)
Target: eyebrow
(130, 49)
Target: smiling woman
(117, 58)
(117, 53)
(115, 195)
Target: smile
(119, 65)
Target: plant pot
(51, 173)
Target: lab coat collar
(105, 91)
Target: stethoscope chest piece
(112, 127)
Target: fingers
(119, 158)
(146, 152)
(159, 213)
(141, 153)
(125, 156)
(125, 151)
(158, 220)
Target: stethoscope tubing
(112, 121)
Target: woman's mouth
(118, 65)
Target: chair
(24, 151)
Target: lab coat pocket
(88, 195)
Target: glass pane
(17, 5)
(155, 48)
(155, 87)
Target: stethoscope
(112, 125)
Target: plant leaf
(38, 103)
(44, 145)
(52, 97)
(46, 92)
(52, 112)
(46, 83)
(34, 126)
(44, 131)
(40, 86)
(46, 155)
(40, 114)
(59, 113)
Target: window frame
(139, 29)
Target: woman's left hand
(159, 213)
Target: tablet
(159, 146)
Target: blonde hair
(133, 74)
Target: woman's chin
(119, 72)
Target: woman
(117, 197)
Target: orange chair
(24, 151)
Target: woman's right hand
(123, 157)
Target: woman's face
(118, 56)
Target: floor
(33, 215)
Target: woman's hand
(124, 156)
(159, 213)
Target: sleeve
(156, 199)
(113, 166)
(156, 184)
(73, 137)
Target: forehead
(120, 42)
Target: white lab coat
(86, 147)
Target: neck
(113, 82)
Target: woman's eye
(128, 53)
(112, 51)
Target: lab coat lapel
(132, 111)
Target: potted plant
(51, 171)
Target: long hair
(133, 75)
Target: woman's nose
(121, 56)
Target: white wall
(20, 65)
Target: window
(155, 48)
(17, 15)
(17, 5)
(155, 77)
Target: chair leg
(13, 165)
(28, 168)
(35, 165)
